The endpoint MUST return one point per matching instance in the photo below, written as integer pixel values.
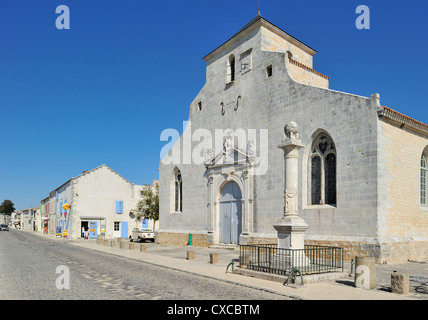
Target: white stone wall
(52, 212)
(64, 194)
(95, 194)
(270, 103)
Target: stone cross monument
(291, 227)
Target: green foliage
(148, 206)
(7, 207)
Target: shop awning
(92, 218)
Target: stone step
(225, 246)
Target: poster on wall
(58, 231)
(92, 229)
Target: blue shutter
(60, 207)
(124, 230)
(119, 207)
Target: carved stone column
(245, 215)
(291, 227)
(210, 209)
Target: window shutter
(119, 207)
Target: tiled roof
(262, 21)
(301, 65)
(403, 119)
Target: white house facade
(100, 201)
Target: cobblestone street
(95, 275)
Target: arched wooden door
(230, 213)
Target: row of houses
(5, 219)
(28, 219)
(100, 201)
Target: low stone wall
(396, 252)
(351, 249)
(384, 252)
(181, 239)
(278, 278)
(259, 240)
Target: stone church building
(362, 169)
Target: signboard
(284, 240)
(65, 233)
(93, 229)
(58, 231)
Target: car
(142, 235)
(4, 227)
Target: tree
(148, 206)
(7, 207)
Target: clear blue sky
(103, 91)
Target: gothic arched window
(424, 179)
(322, 168)
(178, 191)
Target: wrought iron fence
(310, 260)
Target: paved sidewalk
(174, 257)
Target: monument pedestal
(291, 236)
(291, 232)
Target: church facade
(362, 167)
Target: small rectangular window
(117, 226)
(269, 71)
(199, 106)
